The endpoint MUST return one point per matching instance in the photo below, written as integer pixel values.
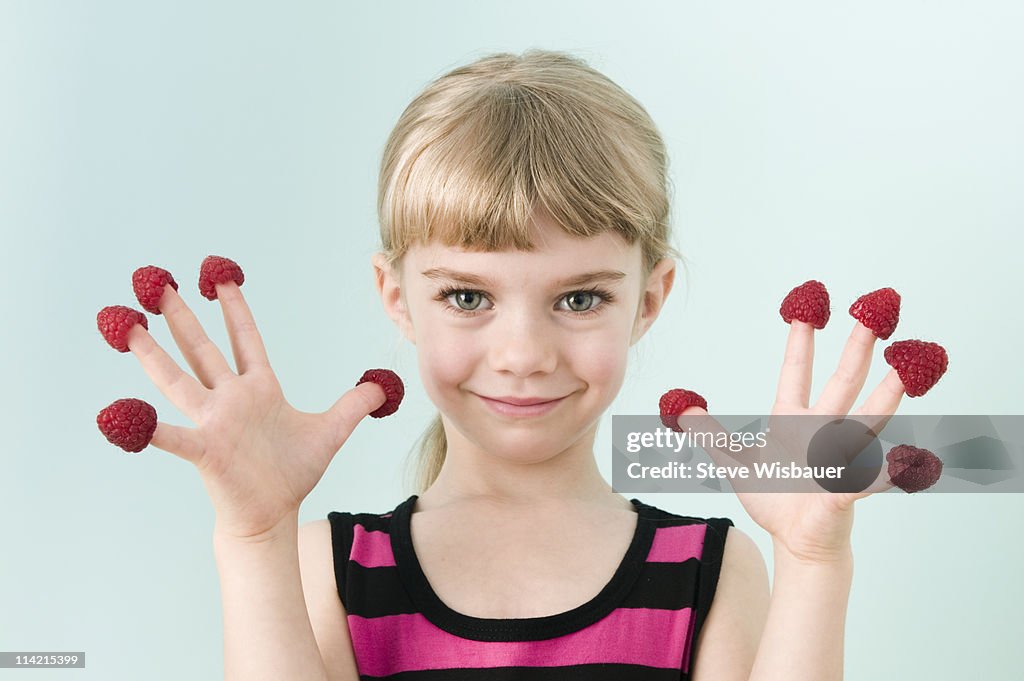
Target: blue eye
(461, 294)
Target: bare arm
(267, 632)
(795, 634)
(728, 641)
(803, 637)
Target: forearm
(803, 635)
(267, 632)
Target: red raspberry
(148, 283)
(393, 388)
(128, 423)
(913, 469)
(808, 302)
(115, 321)
(217, 270)
(674, 402)
(879, 311)
(920, 364)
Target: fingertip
(136, 336)
(894, 384)
(375, 394)
(863, 334)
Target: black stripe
(711, 566)
(666, 586)
(377, 592)
(580, 672)
(341, 544)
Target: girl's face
(537, 325)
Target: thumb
(353, 407)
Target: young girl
(525, 249)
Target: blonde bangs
(482, 148)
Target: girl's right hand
(258, 456)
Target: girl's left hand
(816, 526)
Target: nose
(522, 344)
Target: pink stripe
(398, 643)
(371, 548)
(676, 544)
(689, 644)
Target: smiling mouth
(508, 409)
(522, 402)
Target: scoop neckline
(515, 629)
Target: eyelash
(605, 296)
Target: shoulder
(728, 641)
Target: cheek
(445, 360)
(600, 358)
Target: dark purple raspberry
(913, 469)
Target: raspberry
(674, 402)
(920, 364)
(808, 302)
(128, 423)
(393, 388)
(115, 321)
(148, 283)
(879, 311)
(913, 469)
(217, 270)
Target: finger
(184, 392)
(845, 384)
(880, 484)
(698, 420)
(795, 379)
(706, 432)
(183, 442)
(246, 342)
(199, 351)
(353, 407)
(883, 400)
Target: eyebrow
(475, 280)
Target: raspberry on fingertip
(393, 388)
(878, 310)
(217, 270)
(672, 404)
(808, 303)
(920, 364)
(148, 283)
(128, 423)
(116, 321)
(913, 469)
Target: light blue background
(866, 144)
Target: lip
(523, 401)
(507, 409)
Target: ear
(656, 290)
(390, 289)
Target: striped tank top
(642, 626)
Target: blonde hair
(484, 145)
